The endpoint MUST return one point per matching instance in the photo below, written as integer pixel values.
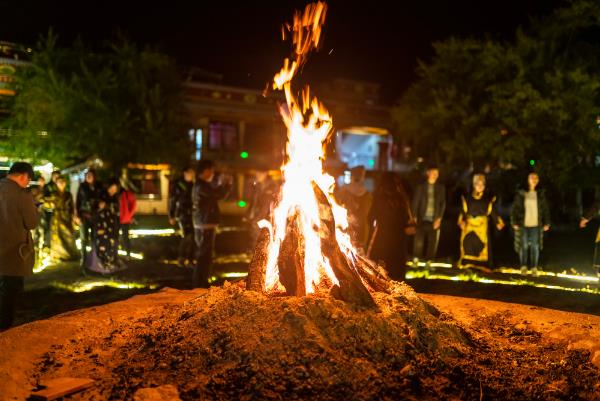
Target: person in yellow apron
(593, 212)
(478, 208)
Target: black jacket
(180, 201)
(205, 208)
(419, 204)
(87, 200)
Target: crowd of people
(99, 214)
(379, 223)
(392, 218)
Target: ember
(305, 247)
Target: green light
(371, 162)
(242, 203)
(244, 155)
(532, 162)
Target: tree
(536, 98)
(122, 104)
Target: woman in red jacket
(128, 207)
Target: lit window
(198, 143)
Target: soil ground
(226, 343)
(539, 343)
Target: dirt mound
(227, 343)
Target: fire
(308, 126)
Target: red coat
(128, 206)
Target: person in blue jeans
(530, 218)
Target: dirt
(227, 343)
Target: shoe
(524, 270)
(534, 272)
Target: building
(242, 130)
(242, 127)
(12, 56)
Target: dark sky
(369, 40)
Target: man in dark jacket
(206, 217)
(180, 212)
(429, 204)
(86, 204)
(18, 216)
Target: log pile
(356, 277)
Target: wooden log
(351, 289)
(291, 259)
(257, 270)
(61, 387)
(373, 274)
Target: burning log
(373, 274)
(304, 254)
(255, 281)
(351, 288)
(291, 259)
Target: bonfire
(305, 247)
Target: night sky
(377, 41)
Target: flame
(308, 126)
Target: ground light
(244, 155)
(90, 285)
(242, 203)
(163, 232)
(484, 280)
(44, 263)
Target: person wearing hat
(18, 216)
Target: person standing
(530, 218)
(429, 205)
(593, 212)
(128, 206)
(49, 191)
(86, 206)
(391, 219)
(106, 231)
(355, 198)
(263, 196)
(206, 217)
(39, 233)
(478, 208)
(180, 212)
(18, 216)
(62, 245)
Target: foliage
(121, 104)
(535, 98)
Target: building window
(222, 136)
(199, 144)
